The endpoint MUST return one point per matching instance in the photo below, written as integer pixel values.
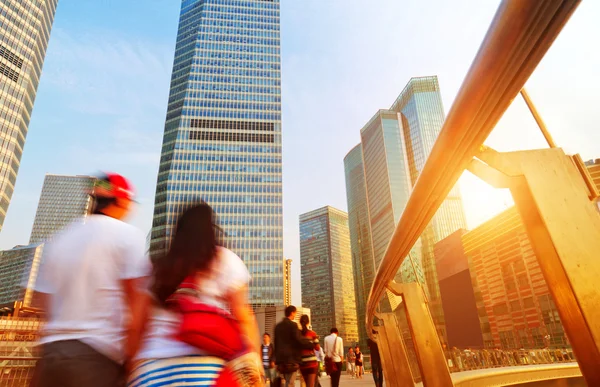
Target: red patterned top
(309, 359)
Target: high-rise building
(18, 273)
(24, 33)
(326, 270)
(464, 310)
(395, 145)
(222, 138)
(421, 113)
(287, 282)
(63, 200)
(359, 226)
(517, 299)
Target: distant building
(326, 269)
(268, 317)
(63, 200)
(359, 225)
(517, 300)
(287, 282)
(25, 31)
(463, 306)
(18, 273)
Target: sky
(102, 100)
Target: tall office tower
(222, 139)
(24, 33)
(359, 226)
(421, 113)
(63, 200)
(287, 282)
(18, 273)
(326, 270)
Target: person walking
(93, 274)
(310, 365)
(334, 354)
(267, 358)
(289, 344)
(320, 358)
(197, 269)
(351, 363)
(376, 367)
(359, 362)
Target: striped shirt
(309, 359)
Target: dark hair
(266, 334)
(334, 330)
(100, 204)
(193, 249)
(304, 321)
(289, 310)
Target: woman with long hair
(220, 280)
(310, 364)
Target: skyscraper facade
(395, 145)
(287, 282)
(326, 271)
(422, 116)
(517, 300)
(18, 273)
(63, 200)
(222, 139)
(24, 33)
(359, 226)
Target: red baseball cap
(113, 185)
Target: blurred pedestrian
(359, 362)
(289, 344)
(92, 275)
(310, 365)
(268, 358)
(351, 363)
(376, 367)
(334, 356)
(200, 285)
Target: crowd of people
(117, 318)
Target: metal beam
(519, 37)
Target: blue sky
(102, 99)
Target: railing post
(563, 226)
(430, 355)
(396, 369)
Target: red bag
(206, 327)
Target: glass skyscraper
(395, 144)
(422, 116)
(222, 139)
(24, 33)
(63, 200)
(326, 271)
(363, 263)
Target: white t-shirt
(81, 270)
(334, 347)
(228, 273)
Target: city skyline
(112, 73)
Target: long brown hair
(193, 249)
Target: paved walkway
(367, 380)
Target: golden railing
(563, 224)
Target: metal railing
(518, 38)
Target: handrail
(517, 40)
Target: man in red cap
(91, 282)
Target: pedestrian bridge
(554, 195)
